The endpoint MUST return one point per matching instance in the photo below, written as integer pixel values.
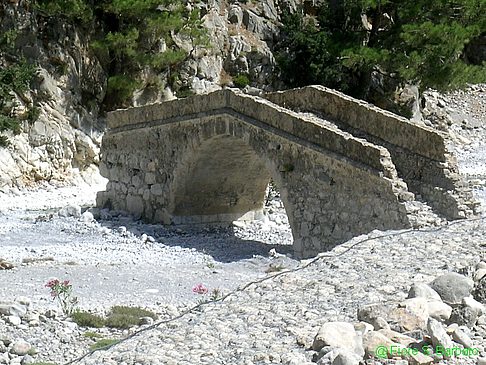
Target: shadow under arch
(222, 179)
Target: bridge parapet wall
(266, 113)
(364, 117)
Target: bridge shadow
(225, 244)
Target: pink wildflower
(200, 289)
(52, 283)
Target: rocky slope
(70, 86)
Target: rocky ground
(111, 259)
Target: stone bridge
(343, 167)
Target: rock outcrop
(71, 84)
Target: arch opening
(224, 180)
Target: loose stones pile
(436, 323)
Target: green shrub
(121, 317)
(132, 311)
(124, 317)
(9, 123)
(122, 321)
(241, 81)
(132, 41)
(120, 89)
(4, 142)
(8, 39)
(86, 319)
(90, 334)
(103, 343)
(15, 78)
(184, 92)
(32, 114)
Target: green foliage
(15, 78)
(132, 311)
(72, 10)
(122, 321)
(132, 36)
(120, 88)
(86, 319)
(102, 344)
(241, 81)
(287, 167)
(123, 317)
(92, 335)
(8, 39)
(139, 35)
(8, 123)
(420, 41)
(184, 92)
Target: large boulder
(452, 287)
(340, 335)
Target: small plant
(62, 291)
(124, 317)
(209, 262)
(241, 81)
(121, 321)
(86, 319)
(287, 167)
(104, 343)
(92, 335)
(132, 311)
(8, 39)
(121, 317)
(214, 295)
(32, 114)
(184, 92)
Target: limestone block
(156, 189)
(150, 178)
(135, 205)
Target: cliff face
(67, 90)
(70, 83)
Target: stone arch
(221, 177)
